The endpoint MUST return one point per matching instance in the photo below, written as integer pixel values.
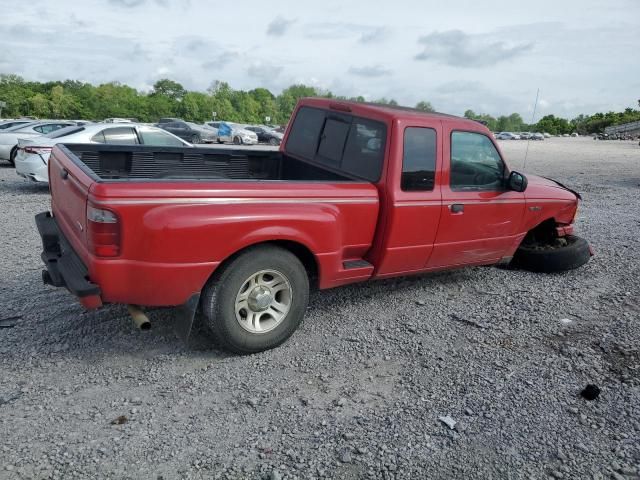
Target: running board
(354, 264)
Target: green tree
(39, 106)
(170, 89)
(425, 106)
(289, 97)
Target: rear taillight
(103, 231)
(37, 150)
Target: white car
(507, 136)
(33, 154)
(9, 137)
(229, 132)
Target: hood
(204, 130)
(248, 133)
(545, 188)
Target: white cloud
(476, 55)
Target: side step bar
(353, 264)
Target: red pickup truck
(356, 192)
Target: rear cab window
(338, 141)
(418, 159)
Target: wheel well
(544, 232)
(305, 256)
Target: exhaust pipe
(140, 319)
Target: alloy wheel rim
(263, 301)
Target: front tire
(195, 139)
(256, 301)
(565, 253)
(274, 141)
(237, 141)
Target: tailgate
(69, 186)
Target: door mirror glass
(517, 182)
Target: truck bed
(113, 163)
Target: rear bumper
(32, 167)
(63, 266)
(5, 151)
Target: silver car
(33, 153)
(9, 137)
(507, 136)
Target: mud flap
(185, 315)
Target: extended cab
(356, 192)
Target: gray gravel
(359, 390)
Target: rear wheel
(12, 155)
(256, 301)
(557, 255)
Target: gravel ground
(358, 391)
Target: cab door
(480, 217)
(413, 200)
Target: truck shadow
(55, 325)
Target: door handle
(64, 174)
(456, 208)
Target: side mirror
(517, 182)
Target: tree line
(71, 99)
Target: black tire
(12, 155)
(219, 296)
(237, 141)
(195, 139)
(274, 141)
(565, 254)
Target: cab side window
(418, 159)
(475, 163)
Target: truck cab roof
(388, 112)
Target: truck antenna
(535, 105)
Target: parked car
(170, 120)
(575, 134)
(192, 132)
(547, 135)
(9, 137)
(242, 238)
(5, 124)
(537, 136)
(229, 132)
(33, 153)
(525, 136)
(507, 136)
(120, 120)
(266, 134)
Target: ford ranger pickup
(356, 192)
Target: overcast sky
(490, 56)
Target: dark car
(169, 120)
(191, 132)
(266, 134)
